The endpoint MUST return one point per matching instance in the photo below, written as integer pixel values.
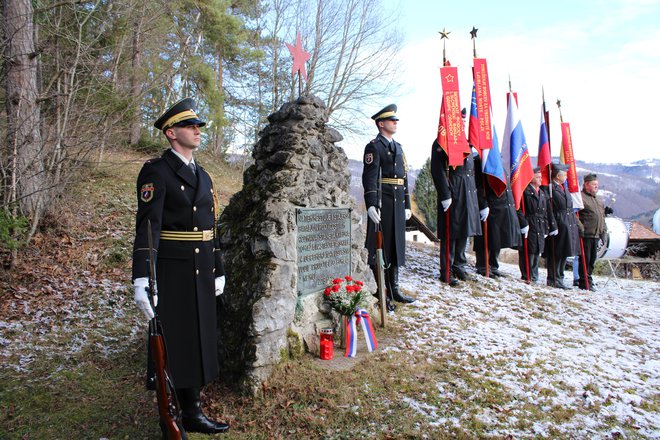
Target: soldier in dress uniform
(177, 196)
(503, 226)
(385, 182)
(457, 193)
(567, 242)
(536, 223)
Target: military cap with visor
(180, 114)
(590, 177)
(387, 113)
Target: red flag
(566, 157)
(482, 91)
(451, 130)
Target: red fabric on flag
(568, 158)
(545, 158)
(451, 129)
(482, 90)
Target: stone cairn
(261, 319)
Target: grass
(69, 319)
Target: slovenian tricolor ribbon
(361, 316)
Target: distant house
(418, 232)
(643, 242)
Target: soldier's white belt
(187, 236)
(389, 181)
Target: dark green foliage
(11, 228)
(426, 196)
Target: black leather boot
(393, 275)
(191, 414)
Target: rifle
(168, 405)
(380, 261)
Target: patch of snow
(596, 354)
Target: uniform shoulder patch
(369, 158)
(147, 192)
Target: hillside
(632, 190)
(492, 358)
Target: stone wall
(261, 318)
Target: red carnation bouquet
(345, 295)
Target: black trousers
(457, 257)
(556, 272)
(493, 255)
(533, 261)
(589, 257)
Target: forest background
(81, 78)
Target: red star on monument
(300, 57)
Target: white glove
(373, 214)
(524, 231)
(483, 214)
(555, 232)
(408, 214)
(446, 204)
(142, 297)
(219, 285)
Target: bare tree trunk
(218, 129)
(136, 60)
(23, 112)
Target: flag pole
(546, 118)
(484, 224)
(583, 262)
(444, 35)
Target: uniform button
(395, 187)
(197, 272)
(194, 208)
(183, 188)
(214, 270)
(197, 250)
(211, 208)
(395, 176)
(211, 190)
(195, 229)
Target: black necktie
(192, 167)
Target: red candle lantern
(327, 343)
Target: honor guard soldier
(385, 182)
(566, 242)
(177, 196)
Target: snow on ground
(590, 361)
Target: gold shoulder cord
(405, 166)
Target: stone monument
(285, 235)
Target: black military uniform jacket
(459, 184)
(503, 225)
(538, 217)
(174, 200)
(381, 157)
(567, 241)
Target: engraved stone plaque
(324, 247)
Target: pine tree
(426, 196)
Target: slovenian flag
(545, 158)
(516, 144)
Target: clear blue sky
(601, 58)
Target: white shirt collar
(180, 156)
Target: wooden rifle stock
(380, 276)
(168, 406)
